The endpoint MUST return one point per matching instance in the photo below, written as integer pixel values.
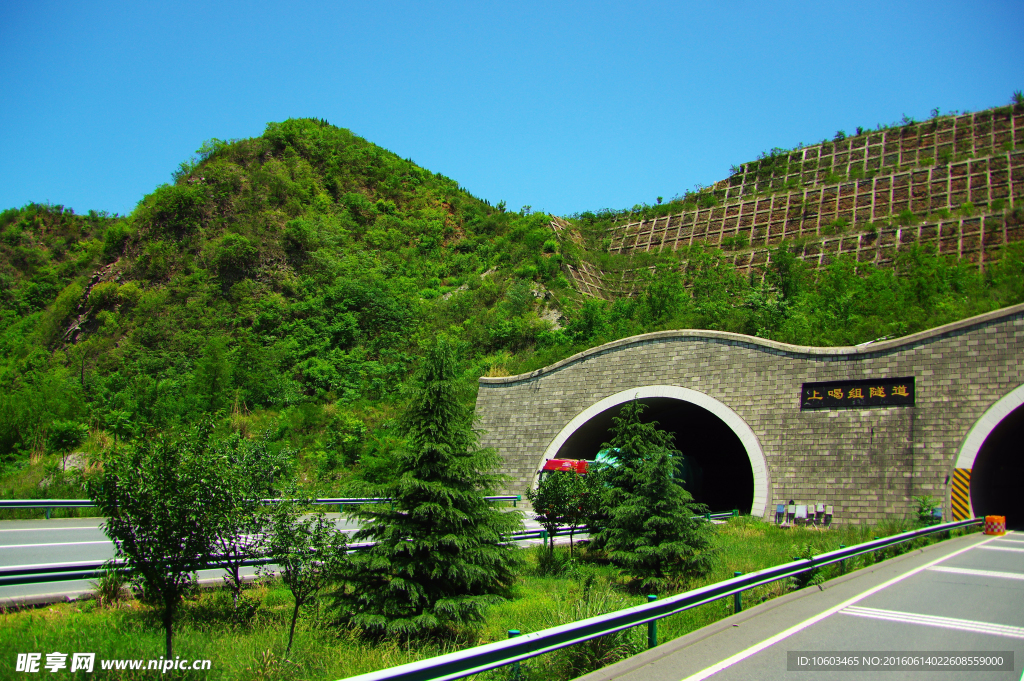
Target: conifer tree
(439, 559)
(651, 532)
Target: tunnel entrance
(997, 478)
(726, 480)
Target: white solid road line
(43, 565)
(1003, 548)
(934, 621)
(977, 573)
(781, 636)
(62, 543)
(49, 529)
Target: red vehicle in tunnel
(576, 465)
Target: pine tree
(651, 532)
(439, 559)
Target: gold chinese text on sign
(881, 392)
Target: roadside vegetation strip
(247, 642)
(483, 658)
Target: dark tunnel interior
(726, 480)
(997, 478)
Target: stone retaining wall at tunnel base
(867, 462)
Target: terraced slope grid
(954, 182)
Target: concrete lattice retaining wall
(938, 165)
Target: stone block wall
(867, 462)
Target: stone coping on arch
(984, 426)
(806, 350)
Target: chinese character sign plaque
(883, 392)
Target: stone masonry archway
(742, 432)
(988, 478)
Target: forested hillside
(287, 284)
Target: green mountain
(288, 283)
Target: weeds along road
(965, 595)
(36, 542)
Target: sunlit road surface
(35, 542)
(962, 596)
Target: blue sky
(562, 106)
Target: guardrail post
(842, 563)
(737, 598)
(47, 511)
(512, 633)
(652, 627)
(707, 516)
(544, 537)
(515, 502)
(735, 512)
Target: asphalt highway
(957, 597)
(39, 542)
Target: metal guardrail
(49, 504)
(501, 653)
(62, 572)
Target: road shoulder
(709, 645)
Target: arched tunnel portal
(720, 465)
(993, 459)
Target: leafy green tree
(250, 469)
(308, 549)
(584, 505)
(162, 498)
(549, 500)
(212, 377)
(565, 498)
(439, 558)
(120, 423)
(651, 532)
(63, 437)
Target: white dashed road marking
(934, 621)
(978, 573)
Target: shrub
(111, 585)
(308, 550)
(103, 295)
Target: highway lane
(963, 595)
(35, 542)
